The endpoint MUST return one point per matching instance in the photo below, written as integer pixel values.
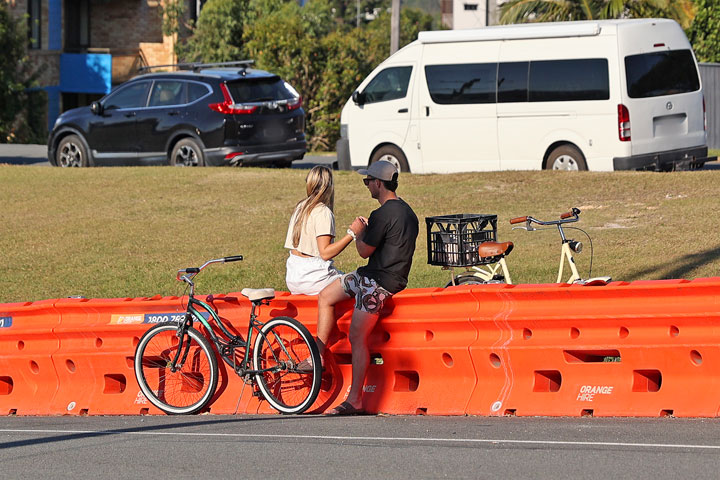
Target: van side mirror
(96, 108)
(358, 97)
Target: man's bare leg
(360, 328)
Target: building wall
(128, 30)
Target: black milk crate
(453, 240)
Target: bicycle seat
(258, 294)
(493, 249)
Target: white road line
(377, 439)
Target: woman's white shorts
(309, 275)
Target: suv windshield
(261, 90)
(661, 73)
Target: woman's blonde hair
(320, 190)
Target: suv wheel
(187, 153)
(71, 152)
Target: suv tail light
(704, 115)
(623, 123)
(229, 107)
(296, 103)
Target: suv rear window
(661, 73)
(260, 90)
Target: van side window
(661, 73)
(389, 84)
(569, 80)
(462, 84)
(513, 82)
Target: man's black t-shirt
(392, 230)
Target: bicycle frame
(489, 272)
(234, 341)
(568, 246)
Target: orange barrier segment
(95, 361)
(28, 380)
(637, 349)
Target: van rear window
(661, 73)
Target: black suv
(207, 114)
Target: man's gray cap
(382, 170)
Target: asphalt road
(37, 155)
(389, 447)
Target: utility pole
(394, 26)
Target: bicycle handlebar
(567, 217)
(186, 274)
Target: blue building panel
(85, 72)
(54, 24)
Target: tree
(704, 33)
(521, 11)
(17, 123)
(218, 35)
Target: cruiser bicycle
(468, 241)
(176, 365)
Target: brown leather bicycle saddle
(493, 249)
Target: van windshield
(661, 73)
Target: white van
(590, 95)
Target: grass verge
(124, 232)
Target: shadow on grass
(680, 269)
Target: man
(388, 240)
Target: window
(196, 91)
(261, 90)
(471, 6)
(513, 82)
(167, 92)
(390, 84)
(34, 18)
(131, 96)
(461, 84)
(77, 25)
(568, 80)
(661, 73)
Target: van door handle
(403, 110)
(427, 111)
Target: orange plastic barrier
(28, 381)
(95, 360)
(648, 348)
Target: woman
(310, 236)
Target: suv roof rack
(195, 66)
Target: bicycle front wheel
(190, 387)
(287, 356)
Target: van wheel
(566, 157)
(393, 155)
(187, 153)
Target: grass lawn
(124, 232)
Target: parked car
(206, 114)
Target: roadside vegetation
(124, 232)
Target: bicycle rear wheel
(189, 388)
(281, 345)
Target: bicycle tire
(466, 280)
(185, 391)
(287, 390)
